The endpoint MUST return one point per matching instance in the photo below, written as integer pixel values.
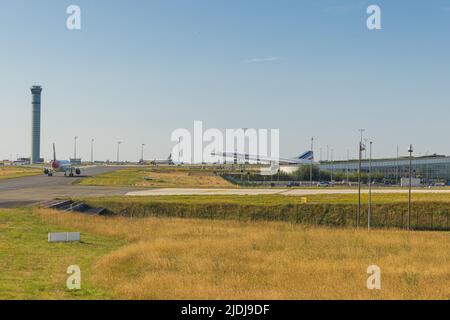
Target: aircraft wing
(262, 159)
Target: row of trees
(303, 174)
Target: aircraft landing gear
(70, 173)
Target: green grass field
(278, 199)
(31, 268)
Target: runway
(29, 190)
(33, 189)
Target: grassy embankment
(159, 178)
(10, 172)
(429, 211)
(164, 258)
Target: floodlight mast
(358, 215)
(360, 150)
(75, 148)
(312, 162)
(410, 150)
(142, 152)
(118, 150)
(92, 150)
(369, 212)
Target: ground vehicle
(324, 184)
(293, 184)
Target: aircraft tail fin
(308, 155)
(54, 152)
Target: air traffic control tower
(36, 124)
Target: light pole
(142, 152)
(311, 167)
(75, 147)
(358, 215)
(369, 213)
(365, 149)
(332, 166)
(118, 150)
(348, 165)
(360, 150)
(361, 131)
(410, 150)
(179, 151)
(397, 169)
(92, 150)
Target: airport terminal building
(429, 169)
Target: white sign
(64, 236)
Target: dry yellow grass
(9, 172)
(201, 259)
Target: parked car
(293, 184)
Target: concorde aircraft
(61, 166)
(304, 158)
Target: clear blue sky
(137, 70)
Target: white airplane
(305, 158)
(167, 161)
(61, 166)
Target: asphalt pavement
(33, 189)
